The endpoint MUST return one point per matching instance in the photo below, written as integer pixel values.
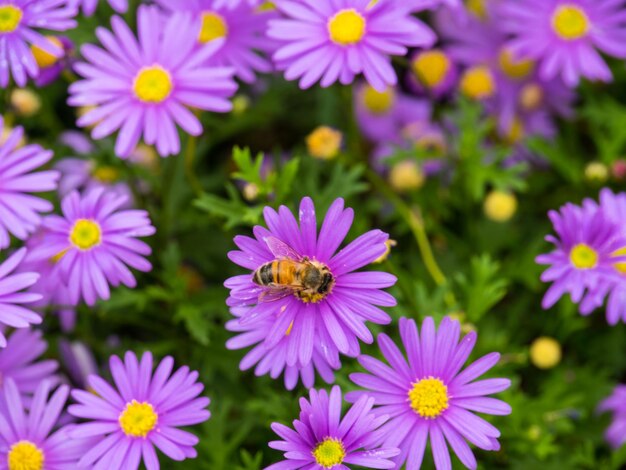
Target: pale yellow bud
(406, 176)
(500, 206)
(545, 353)
(241, 103)
(324, 143)
(25, 102)
(596, 172)
(250, 192)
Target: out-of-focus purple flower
(327, 314)
(584, 258)
(21, 362)
(89, 6)
(144, 87)
(428, 397)
(615, 404)
(273, 361)
(78, 361)
(31, 438)
(141, 411)
(54, 293)
(18, 29)
(328, 42)
(20, 211)
(567, 35)
(78, 174)
(94, 242)
(50, 67)
(242, 29)
(433, 72)
(322, 439)
(13, 313)
(381, 115)
(236, 3)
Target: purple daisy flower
(20, 362)
(381, 115)
(333, 303)
(616, 404)
(94, 242)
(323, 440)
(236, 3)
(613, 207)
(566, 35)
(428, 398)
(335, 41)
(242, 28)
(20, 211)
(143, 87)
(32, 439)
(89, 6)
(12, 300)
(19, 22)
(584, 256)
(274, 360)
(143, 411)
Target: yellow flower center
(329, 453)
(10, 18)
(347, 27)
(583, 257)
(621, 267)
(478, 8)
(213, 27)
(378, 102)
(153, 84)
(429, 397)
(43, 58)
(531, 96)
(324, 143)
(570, 22)
(85, 234)
(106, 174)
(478, 83)
(513, 67)
(138, 419)
(431, 67)
(25, 455)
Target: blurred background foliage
(485, 273)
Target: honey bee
(291, 273)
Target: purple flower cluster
(589, 257)
(121, 424)
(421, 396)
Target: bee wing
(273, 294)
(281, 250)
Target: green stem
(414, 219)
(190, 155)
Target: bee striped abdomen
(264, 275)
